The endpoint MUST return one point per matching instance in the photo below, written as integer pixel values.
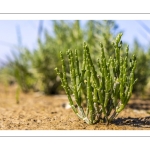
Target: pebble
(66, 105)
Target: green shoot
(105, 88)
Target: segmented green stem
(106, 90)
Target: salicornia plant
(105, 88)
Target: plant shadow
(136, 122)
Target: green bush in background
(34, 70)
(46, 57)
(142, 71)
(19, 69)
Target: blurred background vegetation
(33, 70)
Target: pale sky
(29, 31)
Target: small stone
(66, 105)
(38, 121)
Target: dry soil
(36, 111)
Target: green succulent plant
(98, 92)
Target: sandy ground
(39, 112)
